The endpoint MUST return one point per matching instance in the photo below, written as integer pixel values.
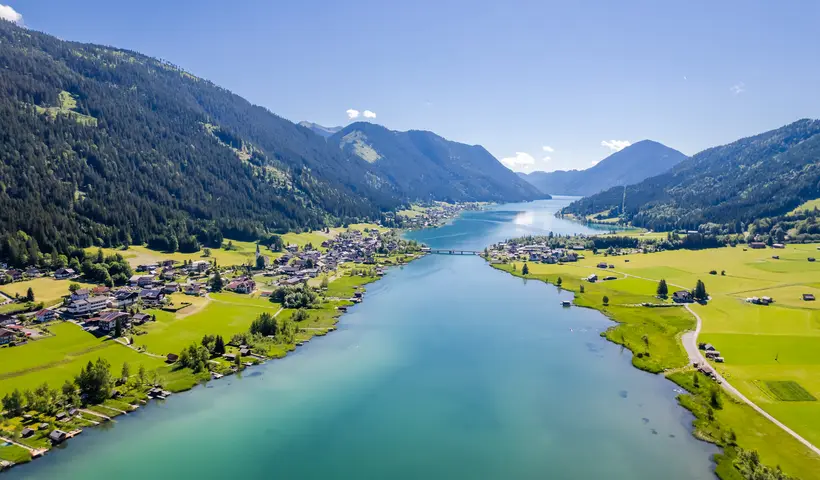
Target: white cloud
(615, 145)
(595, 162)
(738, 88)
(8, 13)
(546, 159)
(369, 114)
(521, 161)
(351, 113)
(548, 149)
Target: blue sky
(544, 85)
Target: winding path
(690, 344)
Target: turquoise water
(448, 370)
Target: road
(690, 344)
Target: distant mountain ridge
(731, 185)
(634, 163)
(422, 165)
(320, 130)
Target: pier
(439, 251)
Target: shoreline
(698, 398)
(104, 414)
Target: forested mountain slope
(762, 176)
(107, 146)
(424, 166)
(634, 163)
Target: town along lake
(448, 369)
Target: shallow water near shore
(449, 369)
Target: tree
(219, 345)
(663, 289)
(216, 282)
(30, 295)
(95, 381)
(117, 328)
(13, 403)
(645, 339)
(126, 372)
(525, 270)
(700, 292)
(559, 281)
(206, 252)
(300, 315)
(141, 375)
(581, 289)
(324, 283)
(260, 262)
(73, 287)
(695, 380)
(606, 300)
(69, 393)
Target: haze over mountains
(106, 146)
(319, 129)
(631, 165)
(731, 185)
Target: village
(157, 292)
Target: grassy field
(807, 206)
(60, 357)
(772, 352)
(46, 289)
(225, 314)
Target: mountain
(104, 146)
(422, 165)
(325, 132)
(634, 163)
(757, 177)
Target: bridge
(441, 251)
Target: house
(16, 275)
(63, 273)
(712, 354)
(603, 265)
(100, 290)
(171, 358)
(140, 318)
(45, 315)
(242, 285)
(32, 272)
(107, 321)
(808, 297)
(198, 266)
(778, 245)
(80, 294)
(61, 416)
(57, 436)
(592, 278)
(124, 298)
(245, 352)
(811, 259)
(229, 356)
(6, 320)
(757, 245)
(170, 287)
(682, 296)
(708, 347)
(152, 296)
(193, 289)
(89, 305)
(141, 280)
(27, 432)
(6, 336)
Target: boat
(566, 303)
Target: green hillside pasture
(46, 289)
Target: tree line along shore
(759, 316)
(65, 371)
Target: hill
(631, 165)
(424, 166)
(320, 130)
(732, 185)
(104, 146)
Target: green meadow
(772, 353)
(46, 289)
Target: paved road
(690, 343)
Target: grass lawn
(46, 289)
(13, 453)
(226, 314)
(60, 357)
(809, 205)
(763, 346)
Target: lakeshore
(432, 375)
(622, 285)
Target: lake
(449, 369)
